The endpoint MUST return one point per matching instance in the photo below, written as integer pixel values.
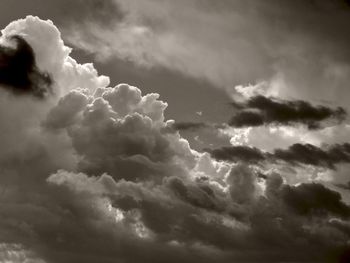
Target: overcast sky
(174, 131)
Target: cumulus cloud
(90, 174)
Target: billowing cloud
(90, 175)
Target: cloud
(17, 254)
(89, 175)
(296, 154)
(241, 41)
(344, 186)
(105, 13)
(192, 126)
(314, 198)
(153, 212)
(242, 186)
(238, 153)
(67, 110)
(18, 69)
(309, 154)
(260, 110)
(118, 131)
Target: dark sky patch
(260, 110)
(19, 72)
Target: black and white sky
(174, 131)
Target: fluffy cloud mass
(95, 173)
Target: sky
(174, 131)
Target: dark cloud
(295, 154)
(260, 110)
(192, 126)
(314, 199)
(19, 72)
(237, 153)
(310, 154)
